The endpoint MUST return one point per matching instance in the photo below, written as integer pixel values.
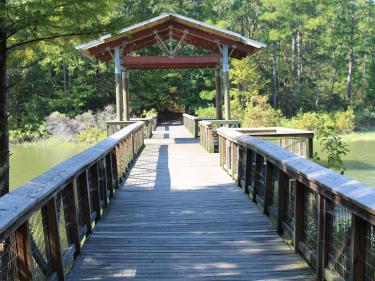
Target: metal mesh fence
(274, 197)
(8, 260)
(39, 245)
(289, 204)
(310, 219)
(261, 178)
(339, 224)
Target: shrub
(345, 121)
(102, 116)
(365, 119)
(149, 113)
(259, 113)
(209, 112)
(90, 135)
(332, 144)
(341, 121)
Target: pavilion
(221, 45)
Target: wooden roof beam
(165, 62)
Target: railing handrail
(352, 194)
(192, 117)
(20, 204)
(207, 123)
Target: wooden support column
(358, 247)
(119, 109)
(125, 94)
(219, 107)
(23, 241)
(226, 83)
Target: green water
(29, 160)
(360, 161)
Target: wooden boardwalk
(179, 216)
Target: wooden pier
(179, 216)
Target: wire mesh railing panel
(63, 223)
(339, 225)
(79, 199)
(92, 187)
(274, 196)
(252, 170)
(102, 180)
(296, 145)
(39, 246)
(289, 204)
(8, 259)
(370, 253)
(261, 178)
(310, 219)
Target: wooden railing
(297, 141)
(44, 222)
(208, 137)
(328, 218)
(150, 125)
(192, 123)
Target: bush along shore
(88, 127)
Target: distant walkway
(179, 216)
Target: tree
(25, 23)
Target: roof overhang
(166, 26)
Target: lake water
(30, 160)
(360, 161)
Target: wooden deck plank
(179, 216)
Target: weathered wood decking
(179, 216)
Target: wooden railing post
(86, 201)
(103, 181)
(268, 187)
(22, 239)
(358, 247)
(50, 211)
(72, 216)
(258, 163)
(298, 215)
(95, 189)
(109, 173)
(323, 237)
(282, 200)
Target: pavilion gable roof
(170, 26)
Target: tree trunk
(4, 134)
(351, 58)
(299, 55)
(294, 50)
(350, 69)
(274, 74)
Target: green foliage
(313, 81)
(28, 133)
(343, 122)
(90, 135)
(332, 144)
(149, 113)
(206, 111)
(259, 113)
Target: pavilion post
(125, 93)
(118, 84)
(219, 109)
(226, 83)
